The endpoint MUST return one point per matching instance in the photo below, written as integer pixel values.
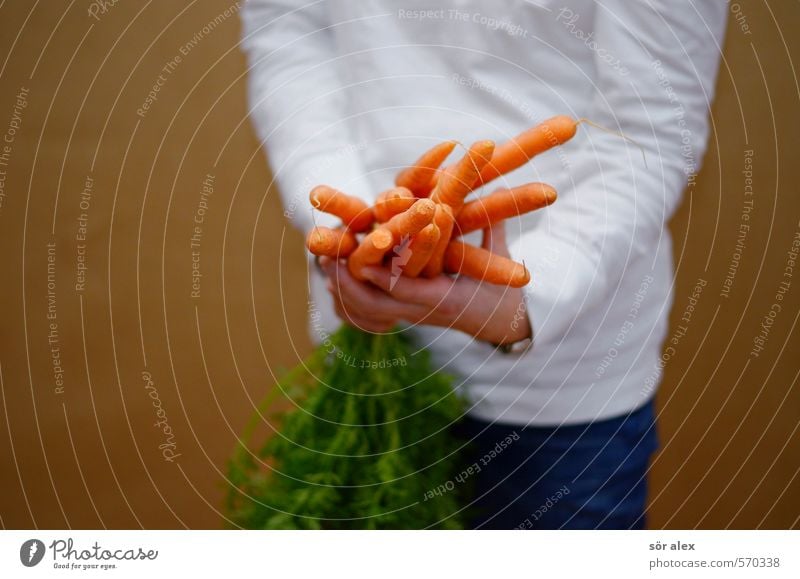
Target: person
(564, 370)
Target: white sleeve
(297, 103)
(656, 64)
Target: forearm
(297, 103)
(612, 212)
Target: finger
(494, 239)
(369, 302)
(344, 284)
(383, 308)
(423, 292)
(357, 306)
(327, 264)
(366, 325)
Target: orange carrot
(411, 221)
(502, 204)
(421, 247)
(334, 243)
(391, 202)
(456, 181)
(435, 179)
(522, 148)
(484, 265)
(351, 210)
(443, 218)
(417, 178)
(370, 251)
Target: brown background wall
(89, 456)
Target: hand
(488, 312)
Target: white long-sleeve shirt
(347, 92)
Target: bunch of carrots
(364, 448)
(422, 218)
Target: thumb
(494, 239)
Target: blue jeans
(586, 476)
